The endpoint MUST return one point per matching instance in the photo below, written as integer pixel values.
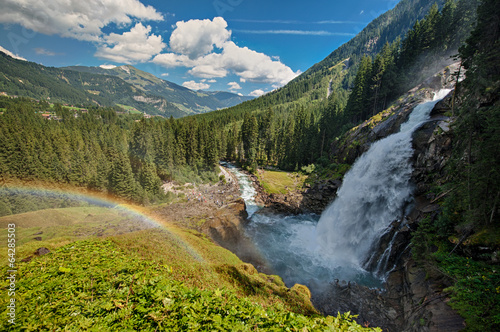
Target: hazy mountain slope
(184, 98)
(227, 99)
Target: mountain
(189, 101)
(337, 71)
(124, 86)
(227, 99)
(29, 79)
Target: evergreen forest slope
(334, 76)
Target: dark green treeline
(102, 151)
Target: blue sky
(243, 46)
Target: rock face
(226, 229)
(421, 304)
(432, 145)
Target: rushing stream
(314, 250)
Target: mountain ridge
(313, 84)
(198, 101)
(122, 86)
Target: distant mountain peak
(189, 101)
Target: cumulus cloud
(196, 85)
(82, 20)
(255, 66)
(9, 53)
(257, 93)
(195, 38)
(136, 45)
(234, 86)
(172, 60)
(205, 47)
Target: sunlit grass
(278, 182)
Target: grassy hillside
(109, 271)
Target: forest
(102, 151)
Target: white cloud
(208, 71)
(257, 93)
(77, 19)
(256, 67)
(196, 38)
(212, 81)
(9, 53)
(172, 60)
(43, 51)
(136, 45)
(195, 86)
(164, 74)
(193, 44)
(234, 86)
(107, 66)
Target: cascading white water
(373, 194)
(247, 190)
(303, 250)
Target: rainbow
(102, 200)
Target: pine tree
(122, 182)
(357, 104)
(250, 135)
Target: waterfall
(374, 193)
